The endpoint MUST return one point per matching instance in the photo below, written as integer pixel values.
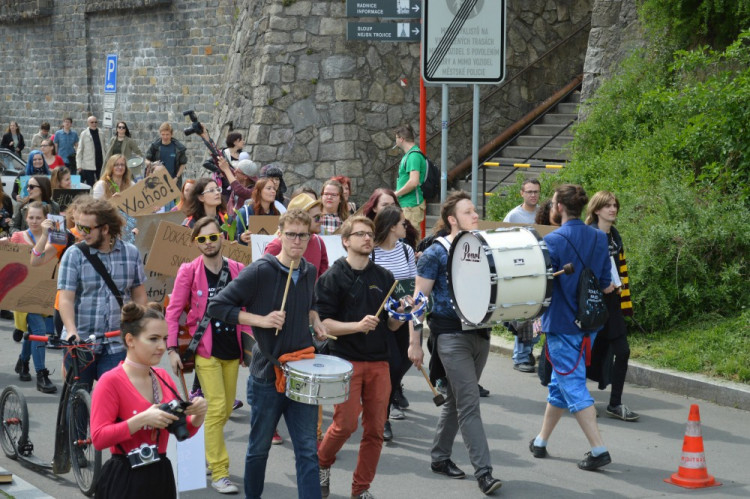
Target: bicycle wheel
(15, 420)
(86, 460)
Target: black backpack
(431, 185)
(592, 311)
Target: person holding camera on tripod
(135, 407)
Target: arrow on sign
(415, 31)
(415, 8)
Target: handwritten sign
(147, 195)
(64, 197)
(157, 285)
(25, 288)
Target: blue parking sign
(110, 75)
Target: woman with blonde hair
(115, 178)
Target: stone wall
(171, 56)
(320, 106)
(615, 34)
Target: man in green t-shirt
(411, 174)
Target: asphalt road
(643, 453)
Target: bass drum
(323, 380)
(499, 275)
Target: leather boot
(43, 384)
(22, 368)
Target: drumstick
(286, 289)
(567, 269)
(382, 305)
(438, 398)
(331, 337)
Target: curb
(21, 489)
(693, 385)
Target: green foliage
(690, 23)
(715, 346)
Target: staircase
(525, 149)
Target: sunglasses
(120, 127)
(208, 237)
(31, 187)
(85, 229)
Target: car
(11, 166)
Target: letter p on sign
(110, 77)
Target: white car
(11, 166)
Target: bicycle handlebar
(91, 339)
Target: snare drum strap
(305, 353)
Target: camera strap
(177, 395)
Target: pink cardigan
(191, 287)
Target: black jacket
(181, 159)
(347, 295)
(17, 148)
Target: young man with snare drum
(259, 289)
(347, 296)
(463, 353)
(219, 350)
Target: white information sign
(333, 246)
(463, 41)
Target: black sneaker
(6, 314)
(22, 368)
(447, 468)
(17, 335)
(532, 359)
(487, 484)
(387, 432)
(622, 412)
(399, 400)
(43, 384)
(524, 367)
(538, 452)
(325, 481)
(591, 463)
(483, 392)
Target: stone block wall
(171, 55)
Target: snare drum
(499, 275)
(323, 380)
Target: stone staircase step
(538, 140)
(547, 154)
(567, 108)
(549, 130)
(558, 118)
(574, 97)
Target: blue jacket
(592, 246)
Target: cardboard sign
(147, 195)
(64, 197)
(263, 224)
(334, 249)
(173, 245)
(189, 458)
(157, 285)
(543, 230)
(25, 288)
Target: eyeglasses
(208, 237)
(93, 122)
(215, 190)
(330, 194)
(405, 223)
(303, 236)
(317, 218)
(85, 229)
(363, 234)
(533, 193)
(121, 164)
(46, 145)
(120, 127)
(31, 187)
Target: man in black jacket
(260, 289)
(348, 295)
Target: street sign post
(110, 75)
(388, 9)
(463, 41)
(383, 32)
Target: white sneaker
(225, 486)
(396, 413)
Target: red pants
(369, 390)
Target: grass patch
(714, 346)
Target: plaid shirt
(329, 224)
(96, 308)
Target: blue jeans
(41, 326)
(102, 362)
(567, 387)
(522, 350)
(266, 407)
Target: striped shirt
(402, 266)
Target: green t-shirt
(410, 162)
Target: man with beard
(348, 295)
(463, 353)
(96, 277)
(259, 289)
(219, 345)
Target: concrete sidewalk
(21, 489)
(694, 385)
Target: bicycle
(72, 429)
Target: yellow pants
(219, 383)
(20, 319)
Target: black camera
(143, 455)
(210, 166)
(177, 428)
(196, 127)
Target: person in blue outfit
(568, 346)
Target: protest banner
(157, 285)
(147, 195)
(263, 224)
(25, 288)
(63, 197)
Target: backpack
(592, 311)
(431, 184)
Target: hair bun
(132, 312)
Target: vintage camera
(143, 456)
(196, 127)
(177, 428)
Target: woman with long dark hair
(12, 139)
(261, 203)
(379, 199)
(122, 144)
(391, 253)
(204, 200)
(335, 210)
(126, 414)
(40, 189)
(49, 151)
(346, 183)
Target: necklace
(136, 365)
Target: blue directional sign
(384, 32)
(389, 9)
(110, 75)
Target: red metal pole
(422, 125)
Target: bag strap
(201, 330)
(576, 251)
(585, 346)
(101, 270)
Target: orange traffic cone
(692, 472)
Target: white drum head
(321, 365)
(470, 278)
